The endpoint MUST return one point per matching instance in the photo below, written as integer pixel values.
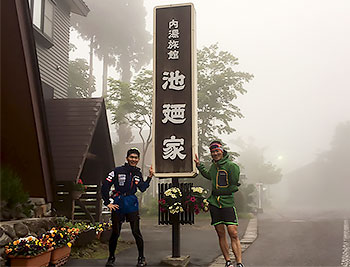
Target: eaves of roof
(72, 123)
(78, 7)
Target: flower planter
(42, 259)
(85, 238)
(60, 256)
(76, 194)
(105, 236)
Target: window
(43, 12)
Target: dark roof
(72, 125)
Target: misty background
(296, 109)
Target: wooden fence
(186, 217)
(87, 208)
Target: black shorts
(129, 217)
(224, 215)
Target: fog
(299, 54)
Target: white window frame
(40, 23)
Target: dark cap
(133, 150)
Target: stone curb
(249, 237)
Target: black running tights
(135, 228)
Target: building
(49, 140)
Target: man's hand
(196, 160)
(112, 206)
(151, 172)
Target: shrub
(13, 196)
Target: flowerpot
(76, 194)
(98, 235)
(105, 236)
(42, 259)
(60, 256)
(85, 238)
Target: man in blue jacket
(123, 202)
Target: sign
(175, 92)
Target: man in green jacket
(224, 176)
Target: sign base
(179, 261)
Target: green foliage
(78, 81)
(28, 246)
(150, 206)
(14, 200)
(79, 186)
(119, 100)
(218, 86)
(132, 103)
(81, 225)
(12, 189)
(244, 198)
(254, 165)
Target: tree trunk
(104, 76)
(125, 67)
(91, 65)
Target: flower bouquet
(171, 201)
(78, 189)
(60, 239)
(100, 227)
(196, 200)
(28, 251)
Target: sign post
(175, 92)
(175, 131)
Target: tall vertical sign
(175, 91)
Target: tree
(217, 82)
(133, 103)
(119, 103)
(141, 115)
(253, 164)
(104, 27)
(218, 86)
(80, 84)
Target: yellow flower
(16, 242)
(61, 235)
(69, 244)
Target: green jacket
(224, 176)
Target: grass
(97, 250)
